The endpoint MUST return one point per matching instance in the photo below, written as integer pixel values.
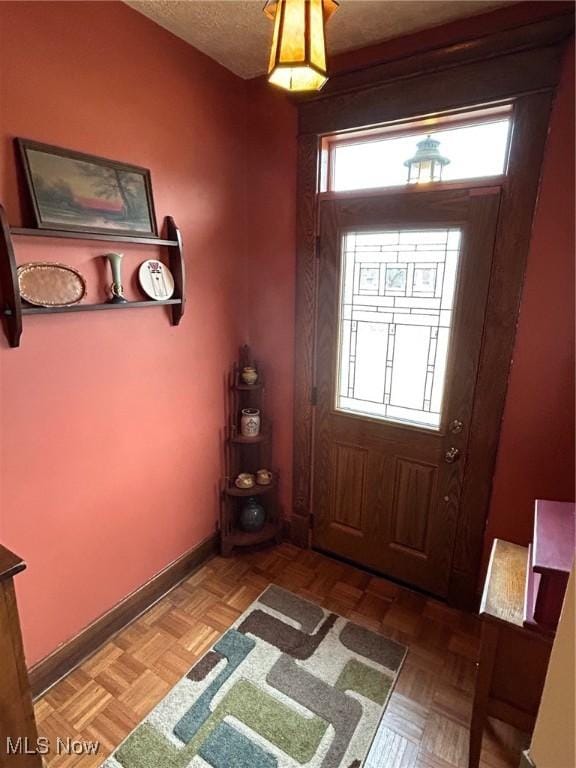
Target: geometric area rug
(288, 685)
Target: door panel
(348, 487)
(403, 287)
(414, 486)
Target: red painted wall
(110, 421)
(270, 252)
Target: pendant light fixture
(298, 55)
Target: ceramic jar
(244, 480)
(252, 516)
(249, 375)
(250, 422)
(263, 477)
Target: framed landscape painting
(83, 193)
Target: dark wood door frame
(520, 66)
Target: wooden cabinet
(17, 723)
(551, 559)
(513, 659)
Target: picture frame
(77, 192)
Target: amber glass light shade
(298, 54)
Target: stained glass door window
(395, 316)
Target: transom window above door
(397, 291)
(448, 148)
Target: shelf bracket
(176, 263)
(9, 284)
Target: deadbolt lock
(451, 455)
(456, 427)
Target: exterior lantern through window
(427, 164)
(298, 55)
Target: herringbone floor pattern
(426, 721)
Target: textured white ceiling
(237, 34)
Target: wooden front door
(402, 292)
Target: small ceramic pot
(249, 375)
(250, 422)
(263, 477)
(252, 516)
(244, 480)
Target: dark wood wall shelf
(247, 454)
(29, 310)
(13, 309)
(97, 236)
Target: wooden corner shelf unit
(13, 309)
(247, 454)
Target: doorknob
(451, 455)
(456, 427)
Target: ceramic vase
(249, 375)
(250, 422)
(116, 289)
(252, 516)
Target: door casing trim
(528, 78)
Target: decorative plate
(47, 284)
(156, 280)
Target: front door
(402, 292)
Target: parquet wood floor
(425, 724)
